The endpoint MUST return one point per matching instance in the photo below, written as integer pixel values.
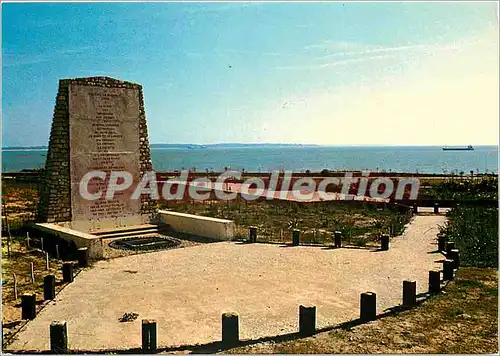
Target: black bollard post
(449, 246)
(149, 336)
(307, 320)
(338, 239)
(230, 329)
(295, 237)
(436, 208)
(252, 233)
(434, 282)
(83, 257)
(368, 306)
(454, 255)
(441, 242)
(415, 209)
(447, 270)
(409, 293)
(49, 287)
(67, 269)
(58, 337)
(384, 242)
(28, 306)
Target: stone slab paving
(186, 290)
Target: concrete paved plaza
(186, 290)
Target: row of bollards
(230, 321)
(28, 300)
(337, 238)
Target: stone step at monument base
(129, 234)
(128, 231)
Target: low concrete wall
(81, 239)
(219, 229)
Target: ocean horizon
(295, 157)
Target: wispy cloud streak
(11, 59)
(363, 53)
(333, 63)
(218, 7)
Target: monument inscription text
(104, 136)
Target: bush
(466, 189)
(475, 233)
(473, 229)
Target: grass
(360, 224)
(462, 319)
(19, 263)
(18, 202)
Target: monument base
(93, 225)
(93, 238)
(80, 239)
(92, 233)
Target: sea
(297, 158)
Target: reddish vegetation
(280, 184)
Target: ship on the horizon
(460, 148)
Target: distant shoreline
(246, 145)
(269, 157)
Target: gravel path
(186, 290)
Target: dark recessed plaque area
(146, 243)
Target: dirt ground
(186, 290)
(19, 264)
(463, 319)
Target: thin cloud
(17, 59)
(409, 48)
(271, 54)
(340, 45)
(216, 7)
(333, 63)
(364, 50)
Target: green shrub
(474, 229)
(466, 189)
(475, 233)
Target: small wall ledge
(219, 229)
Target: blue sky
(324, 73)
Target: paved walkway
(186, 290)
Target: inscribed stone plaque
(104, 136)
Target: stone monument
(99, 124)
